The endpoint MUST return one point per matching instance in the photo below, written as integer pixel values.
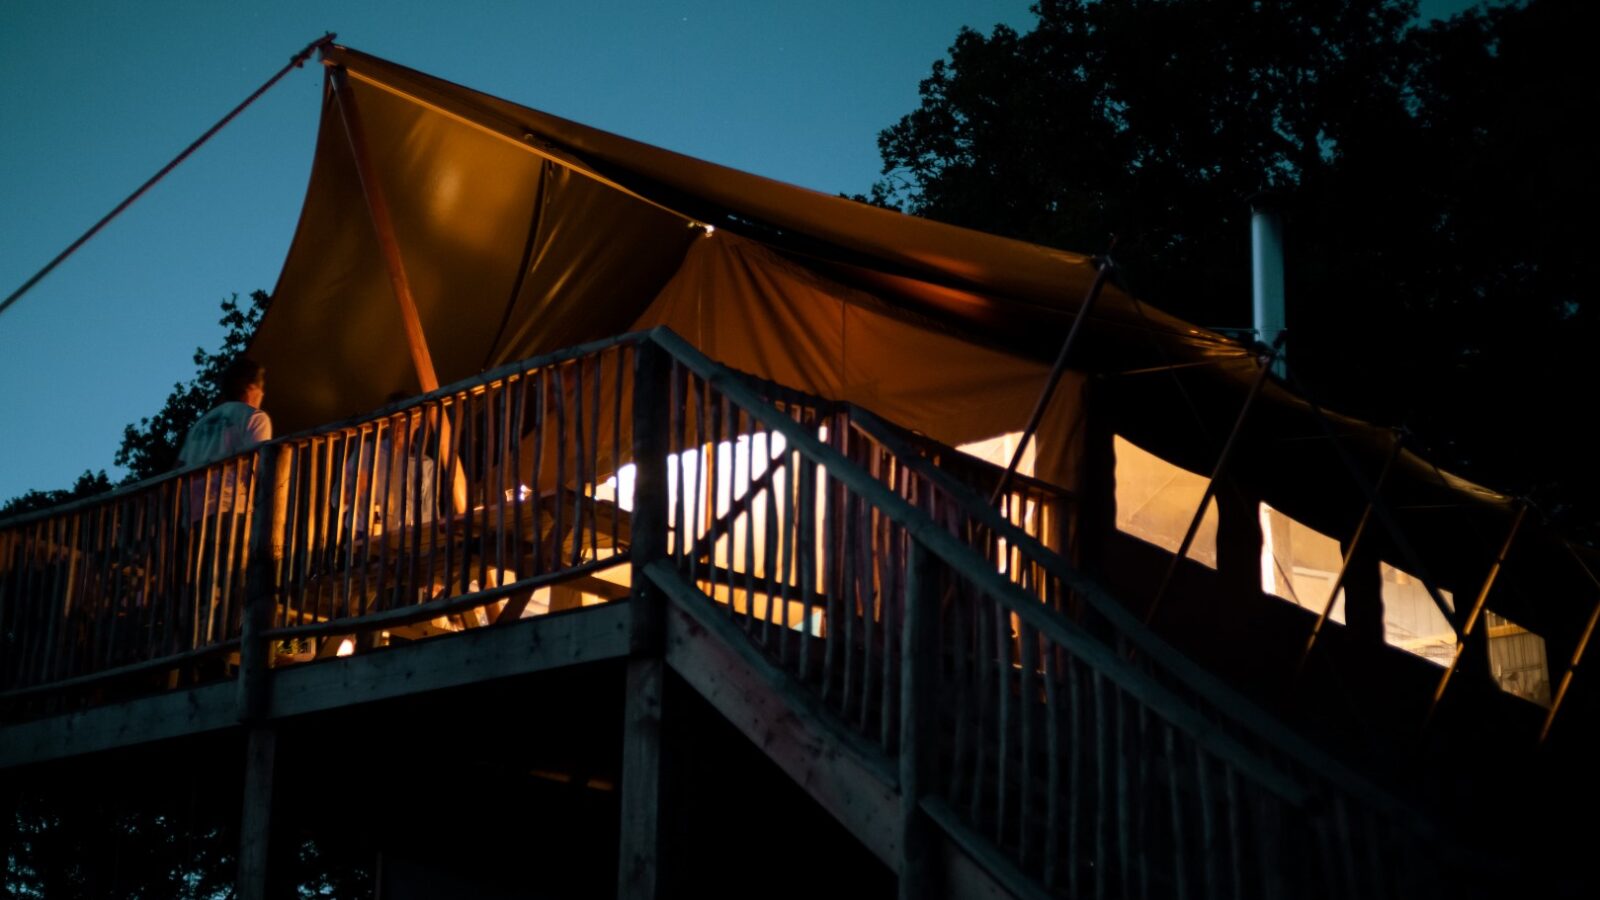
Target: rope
(295, 62)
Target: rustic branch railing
(114, 584)
(862, 560)
(366, 541)
(374, 541)
(1088, 772)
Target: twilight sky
(96, 96)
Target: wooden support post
(383, 229)
(919, 698)
(268, 518)
(256, 823)
(638, 859)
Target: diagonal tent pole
(1577, 653)
(1412, 559)
(1477, 611)
(1103, 272)
(383, 226)
(1349, 555)
(1216, 476)
(295, 62)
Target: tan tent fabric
(524, 232)
(508, 256)
(755, 311)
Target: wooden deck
(978, 714)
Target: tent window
(1411, 621)
(1299, 563)
(1517, 657)
(998, 450)
(1156, 501)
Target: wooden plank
(596, 634)
(168, 715)
(480, 654)
(843, 772)
(985, 871)
(964, 878)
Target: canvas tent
(522, 232)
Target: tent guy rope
(295, 62)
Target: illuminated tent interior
(523, 233)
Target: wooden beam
(846, 774)
(640, 829)
(638, 862)
(974, 865)
(919, 697)
(480, 654)
(389, 245)
(269, 516)
(255, 827)
(212, 707)
(595, 634)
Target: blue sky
(96, 96)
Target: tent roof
(524, 232)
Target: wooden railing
(932, 625)
(441, 512)
(454, 509)
(1034, 720)
(148, 574)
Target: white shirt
(228, 429)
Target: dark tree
(1433, 178)
(151, 447)
(87, 485)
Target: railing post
(266, 554)
(638, 860)
(919, 698)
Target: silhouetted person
(217, 526)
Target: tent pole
(1056, 371)
(1412, 559)
(1211, 484)
(1577, 654)
(1477, 611)
(383, 227)
(1349, 555)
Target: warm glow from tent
(1156, 501)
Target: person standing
(234, 425)
(217, 502)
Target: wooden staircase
(928, 666)
(971, 706)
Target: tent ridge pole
(389, 245)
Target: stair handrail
(1058, 627)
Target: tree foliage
(87, 485)
(151, 447)
(1432, 176)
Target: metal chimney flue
(1266, 272)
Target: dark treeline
(150, 447)
(1435, 189)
